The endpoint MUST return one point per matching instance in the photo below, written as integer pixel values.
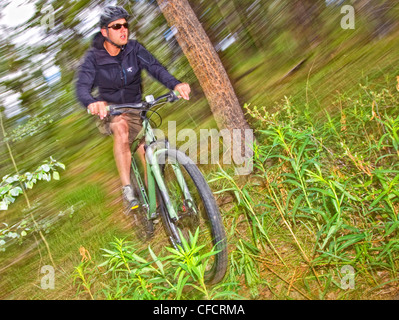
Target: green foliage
(244, 199)
(131, 274)
(33, 126)
(244, 262)
(18, 232)
(12, 233)
(334, 181)
(84, 278)
(11, 186)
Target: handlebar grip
(174, 96)
(107, 108)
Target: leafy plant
(30, 128)
(129, 274)
(10, 186)
(244, 262)
(332, 184)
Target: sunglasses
(117, 26)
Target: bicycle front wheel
(195, 206)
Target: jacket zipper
(124, 80)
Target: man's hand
(184, 90)
(99, 107)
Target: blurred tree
(219, 32)
(252, 28)
(378, 15)
(206, 65)
(306, 22)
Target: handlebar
(144, 105)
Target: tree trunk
(207, 66)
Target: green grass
(323, 193)
(130, 273)
(322, 198)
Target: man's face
(119, 36)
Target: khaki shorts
(134, 121)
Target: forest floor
(87, 200)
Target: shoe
(128, 197)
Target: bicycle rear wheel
(200, 211)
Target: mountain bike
(175, 189)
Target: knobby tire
(210, 216)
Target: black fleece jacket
(118, 79)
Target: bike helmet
(111, 14)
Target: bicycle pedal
(134, 205)
(131, 210)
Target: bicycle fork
(157, 176)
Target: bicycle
(185, 201)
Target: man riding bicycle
(113, 64)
